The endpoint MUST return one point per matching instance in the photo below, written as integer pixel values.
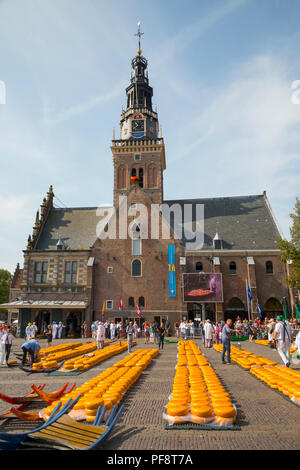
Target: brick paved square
(267, 419)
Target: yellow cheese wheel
(225, 412)
(90, 412)
(93, 404)
(204, 412)
(201, 419)
(90, 419)
(177, 409)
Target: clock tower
(139, 154)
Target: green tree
(5, 280)
(290, 250)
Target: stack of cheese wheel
(281, 378)
(60, 347)
(246, 359)
(178, 406)
(201, 410)
(108, 388)
(198, 395)
(49, 364)
(85, 362)
(223, 410)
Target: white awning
(45, 304)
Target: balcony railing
(137, 142)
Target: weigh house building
(69, 272)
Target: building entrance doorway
(73, 324)
(42, 320)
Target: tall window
(136, 268)
(141, 178)
(232, 267)
(141, 302)
(40, 272)
(70, 272)
(131, 302)
(269, 267)
(136, 241)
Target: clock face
(138, 125)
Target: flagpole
(247, 299)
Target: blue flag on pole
(249, 296)
(259, 311)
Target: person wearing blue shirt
(32, 348)
(226, 337)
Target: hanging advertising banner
(202, 287)
(172, 271)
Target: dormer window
(218, 242)
(60, 245)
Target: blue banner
(249, 296)
(172, 271)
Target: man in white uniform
(208, 332)
(182, 328)
(28, 331)
(33, 330)
(112, 330)
(59, 329)
(100, 335)
(283, 334)
(54, 330)
(2, 346)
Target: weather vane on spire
(139, 34)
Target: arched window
(141, 302)
(232, 267)
(269, 267)
(133, 172)
(131, 302)
(136, 268)
(199, 266)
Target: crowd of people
(280, 333)
(152, 332)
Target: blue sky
(221, 71)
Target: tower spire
(139, 34)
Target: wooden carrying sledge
(60, 432)
(34, 395)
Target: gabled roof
(242, 222)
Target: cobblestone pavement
(267, 419)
